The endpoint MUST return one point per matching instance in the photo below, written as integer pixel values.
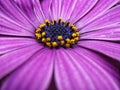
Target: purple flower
(39, 44)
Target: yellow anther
(47, 22)
(60, 38)
(42, 25)
(74, 28)
(43, 40)
(59, 20)
(43, 34)
(62, 42)
(38, 30)
(68, 24)
(63, 22)
(76, 39)
(48, 39)
(72, 41)
(54, 44)
(48, 44)
(38, 35)
(78, 34)
(54, 22)
(74, 35)
(67, 45)
(68, 40)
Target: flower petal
(81, 8)
(99, 9)
(83, 70)
(112, 34)
(46, 8)
(9, 9)
(8, 44)
(110, 49)
(110, 18)
(27, 8)
(34, 74)
(10, 61)
(10, 27)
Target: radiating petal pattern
(8, 44)
(10, 61)
(34, 74)
(111, 34)
(81, 8)
(99, 9)
(9, 9)
(80, 69)
(27, 8)
(110, 18)
(46, 7)
(108, 48)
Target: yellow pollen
(48, 44)
(38, 35)
(74, 35)
(60, 38)
(47, 22)
(76, 39)
(54, 22)
(68, 40)
(48, 39)
(42, 25)
(78, 34)
(43, 40)
(43, 34)
(62, 42)
(67, 45)
(72, 41)
(38, 30)
(54, 44)
(74, 28)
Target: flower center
(57, 34)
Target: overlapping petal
(109, 19)
(99, 9)
(9, 44)
(110, 34)
(80, 69)
(110, 49)
(34, 74)
(12, 60)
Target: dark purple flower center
(57, 34)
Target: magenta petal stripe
(27, 8)
(8, 44)
(108, 48)
(10, 61)
(110, 33)
(34, 74)
(99, 9)
(46, 7)
(110, 18)
(80, 72)
(10, 9)
(81, 8)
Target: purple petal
(108, 48)
(34, 74)
(27, 8)
(99, 9)
(83, 70)
(110, 18)
(8, 44)
(112, 33)
(11, 27)
(38, 11)
(81, 8)
(46, 7)
(9, 9)
(10, 61)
